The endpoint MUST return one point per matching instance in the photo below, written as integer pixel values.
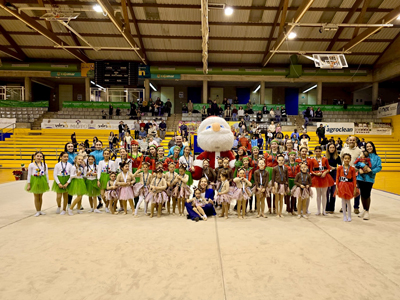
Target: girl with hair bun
(111, 194)
(105, 167)
(223, 196)
(181, 191)
(77, 187)
(125, 181)
(280, 182)
(62, 178)
(242, 192)
(38, 180)
(141, 188)
(157, 196)
(92, 190)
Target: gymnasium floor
(115, 257)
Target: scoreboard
(116, 73)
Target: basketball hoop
(330, 61)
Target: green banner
(12, 103)
(102, 105)
(258, 107)
(165, 76)
(66, 74)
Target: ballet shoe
(37, 214)
(277, 216)
(125, 213)
(305, 216)
(299, 217)
(264, 216)
(58, 210)
(226, 217)
(258, 216)
(318, 214)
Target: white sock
(344, 210)
(348, 210)
(141, 199)
(37, 214)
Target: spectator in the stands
(74, 141)
(246, 117)
(168, 106)
(220, 111)
(240, 112)
(339, 140)
(228, 113)
(306, 115)
(121, 130)
(152, 141)
(234, 114)
(332, 140)
(185, 109)
(147, 126)
(318, 115)
(259, 116)
(268, 138)
(103, 114)
(272, 113)
(249, 107)
(278, 128)
(209, 101)
(265, 110)
(172, 142)
(242, 125)
(163, 128)
(253, 127)
(362, 144)
(185, 142)
(178, 142)
(126, 129)
(338, 146)
(295, 135)
(279, 136)
(142, 133)
(305, 136)
(225, 103)
(132, 109)
(184, 129)
(277, 115)
(283, 113)
(110, 111)
(272, 127)
(118, 112)
(236, 100)
(190, 106)
(204, 112)
(320, 133)
(136, 127)
(145, 107)
(214, 108)
(210, 111)
(312, 113)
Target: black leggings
(365, 190)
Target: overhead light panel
(309, 89)
(257, 88)
(228, 11)
(153, 87)
(398, 18)
(97, 8)
(292, 35)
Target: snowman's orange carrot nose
(216, 127)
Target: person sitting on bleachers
(104, 114)
(242, 126)
(225, 103)
(220, 111)
(265, 110)
(246, 117)
(338, 146)
(184, 129)
(259, 116)
(110, 111)
(272, 127)
(234, 114)
(339, 140)
(305, 136)
(118, 112)
(318, 115)
(332, 140)
(203, 112)
(228, 114)
(240, 112)
(253, 127)
(145, 104)
(295, 136)
(142, 133)
(278, 128)
(272, 113)
(249, 107)
(152, 130)
(190, 106)
(209, 111)
(278, 115)
(185, 109)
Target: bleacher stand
(96, 114)
(22, 114)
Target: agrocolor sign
(338, 128)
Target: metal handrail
(2, 130)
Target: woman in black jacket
(334, 161)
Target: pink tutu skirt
(112, 194)
(225, 198)
(181, 192)
(169, 191)
(160, 197)
(255, 191)
(238, 194)
(126, 193)
(280, 189)
(140, 190)
(298, 193)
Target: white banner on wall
(4, 122)
(387, 110)
(84, 124)
(338, 128)
(373, 131)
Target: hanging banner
(165, 76)
(85, 124)
(87, 70)
(4, 122)
(65, 74)
(338, 128)
(387, 110)
(13, 103)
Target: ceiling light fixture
(292, 35)
(152, 86)
(257, 88)
(228, 11)
(309, 89)
(97, 8)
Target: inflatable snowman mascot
(215, 137)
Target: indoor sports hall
(199, 149)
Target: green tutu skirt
(92, 190)
(39, 185)
(190, 180)
(77, 187)
(63, 180)
(269, 170)
(291, 184)
(104, 179)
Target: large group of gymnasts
(165, 182)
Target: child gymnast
(302, 190)
(242, 192)
(77, 187)
(62, 174)
(280, 182)
(157, 196)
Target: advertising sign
(387, 110)
(338, 128)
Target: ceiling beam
(198, 7)
(215, 38)
(390, 17)
(346, 20)
(190, 51)
(11, 53)
(386, 49)
(126, 16)
(272, 32)
(283, 16)
(42, 30)
(76, 41)
(361, 17)
(135, 23)
(305, 5)
(13, 44)
(205, 31)
(106, 6)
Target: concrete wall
(168, 93)
(362, 96)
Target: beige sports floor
(119, 257)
